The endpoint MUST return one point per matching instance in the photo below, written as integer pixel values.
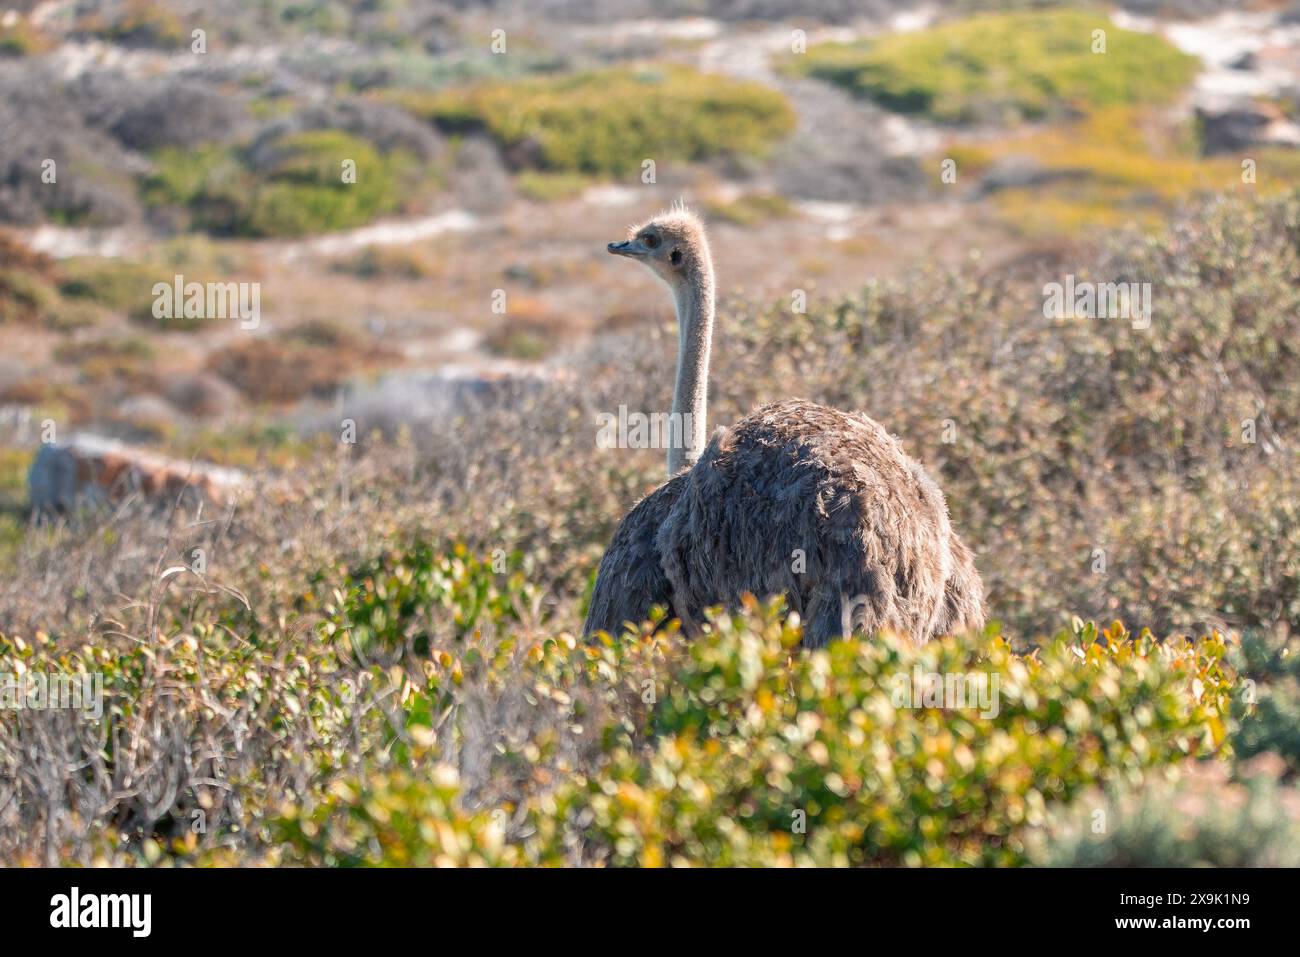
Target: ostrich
(795, 499)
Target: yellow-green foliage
(127, 287)
(752, 753)
(250, 446)
(608, 121)
(25, 296)
(32, 291)
(550, 186)
(646, 749)
(395, 819)
(751, 208)
(124, 286)
(764, 756)
(14, 463)
(22, 38)
(302, 192)
(397, 599)
(305, 192)
(1116, 165)
(1004, 66)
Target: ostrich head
(672, 245)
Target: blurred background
(832, 146)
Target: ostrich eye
(652, 241)
(676, 257)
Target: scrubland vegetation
(1004, 67)
(608, 121)
(299, 190)
(379, 662)
(374, 657)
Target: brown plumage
(795, 499)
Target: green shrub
(34, 292)
(1004, 67)
(1202, 820)
(401, 598)
(607, 122)
(398, 819)
(25, 296)
(747, 754)
(1269, 705)
(304, 192)
(1114, 167)
(764, 757)
(751, 209)
(546, 187)
(121, 285)
(301, 192)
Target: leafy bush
(549, 186)
(399, 819)
(751, 209)
(403, 597)
(303, 191)
(34, 292)
(1004, 67)
(1202, 820)
(752, 755)
(24, 296)
(606, 122)
(761, 757)
(297, 188)
(1269, 706)
(124, 286)
(1115, 166)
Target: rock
(89, 469)
(1246, 125)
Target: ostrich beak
(626, 248)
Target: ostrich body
(795, 499)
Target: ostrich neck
(693, 298)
